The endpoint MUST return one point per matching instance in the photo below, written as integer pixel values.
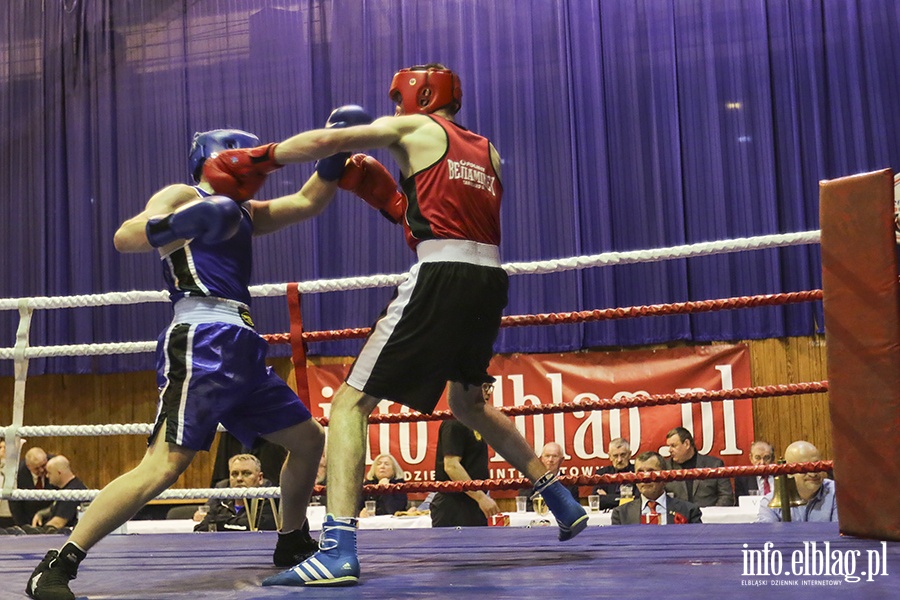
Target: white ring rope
(27, 431)
(687, 251)
(352, 283)
(83, 349)
(372, 281)
(170, 494)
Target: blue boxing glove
(212, 220)
(331, 168)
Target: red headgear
(425, 90)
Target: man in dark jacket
(620, 457)
(702, 492)
(652, 506)
(240, 514)
(32, 475)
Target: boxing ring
(742, 560)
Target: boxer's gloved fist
(331, 168)
(368, 179)
(212, 220)
(239, 173)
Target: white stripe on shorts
(166, 364)
(365, 362)
(188, 371)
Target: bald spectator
(61, 513)
(553, 456)
(620, 459)
(815, 488)
(761, 453)
(32, 475)
(702, 492)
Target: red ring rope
(605, 314)
(522, 483)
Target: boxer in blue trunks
(211, 365)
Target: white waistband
(194, 310)
(465, 251)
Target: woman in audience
(385, 469)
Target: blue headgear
(207, 143)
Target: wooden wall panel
(131, 398)
(92, 400)
(790, 418)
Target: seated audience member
(702, 492)
(385, 469)
(620, 457)
(815, 488)
(32, 475)
(462, 455)
(654, 506)
(61, 513)
(271, 457)
(761, 453)
(552, 455)
(6, 519)
(232, 514)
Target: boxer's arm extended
(317, 144)
(131, 235)
(309, 201)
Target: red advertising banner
(723, 429)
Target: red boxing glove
(239, 173)
(368, 179)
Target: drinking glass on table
(521, 504)
(370, 508)
(204, 514)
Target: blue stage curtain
(623, 125)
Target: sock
(72, 554)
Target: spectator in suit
(553, 456)
(761, 453)
(654, 506)
(815, 488)
(702, 492)
(32, 475)
(620, 457)
(60, 513)
(462, 455)
(234, 514)
(6, 519)
(385, 469)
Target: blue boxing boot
(336, 562)
(570, 515)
